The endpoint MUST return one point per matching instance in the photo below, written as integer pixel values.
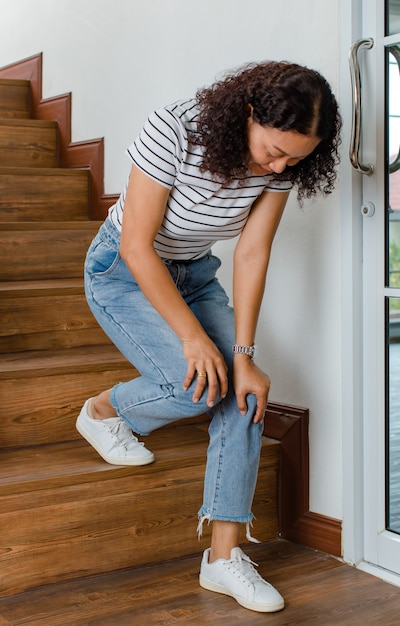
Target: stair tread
(15, 82)
(86, 225)
(28, 122)
(40, 287)
(34, 468)
(70, 462)
(43, 171)
(40, 363)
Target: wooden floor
(319, 590)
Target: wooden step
(67, 514)
(42, 392)
(40, 194)
(28, 143)
(33, 250)
(46, 315)
(15, 99)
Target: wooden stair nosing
(44, 171)
(50, 363)
(90, 226)
(28, 288)
(15, 81)
(28, 123)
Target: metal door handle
(364, 168)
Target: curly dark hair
(283, 95)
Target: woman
(214, 167)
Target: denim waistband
(110, 234)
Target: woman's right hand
(207, 366)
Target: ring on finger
(202, 374)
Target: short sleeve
(160, 147)
(278, 185)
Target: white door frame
(356, 549)
(351, 261)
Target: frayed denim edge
(248, 520)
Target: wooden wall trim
(319, 532)
(289, 425)
(82, 154)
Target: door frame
(353, 421)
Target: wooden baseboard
(83, 154)
(289, 425)
(318, 532)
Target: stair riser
(32, 255)
(26, 146)
(47, 322)
(14, 99)
(39, 410)
(29, 197)
(144, 518)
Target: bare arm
(251, 261)
(143, 214)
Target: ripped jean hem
(207, 516)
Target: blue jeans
(156, 397)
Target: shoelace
(123, 434)
(243, 567)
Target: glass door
(393, 282)
(380, 146)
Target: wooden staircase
(64, 513)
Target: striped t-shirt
(200, 210)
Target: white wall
(122, 58)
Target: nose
(278, 165)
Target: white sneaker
(238, 578)
(112, 439)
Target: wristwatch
(248, 350)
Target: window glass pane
(392, 17)
(393, 417)
(393, 160)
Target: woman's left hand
(249, 378)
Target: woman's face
(271, 150)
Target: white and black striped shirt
(200, 210)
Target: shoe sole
(247, 604)
(112, 460)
